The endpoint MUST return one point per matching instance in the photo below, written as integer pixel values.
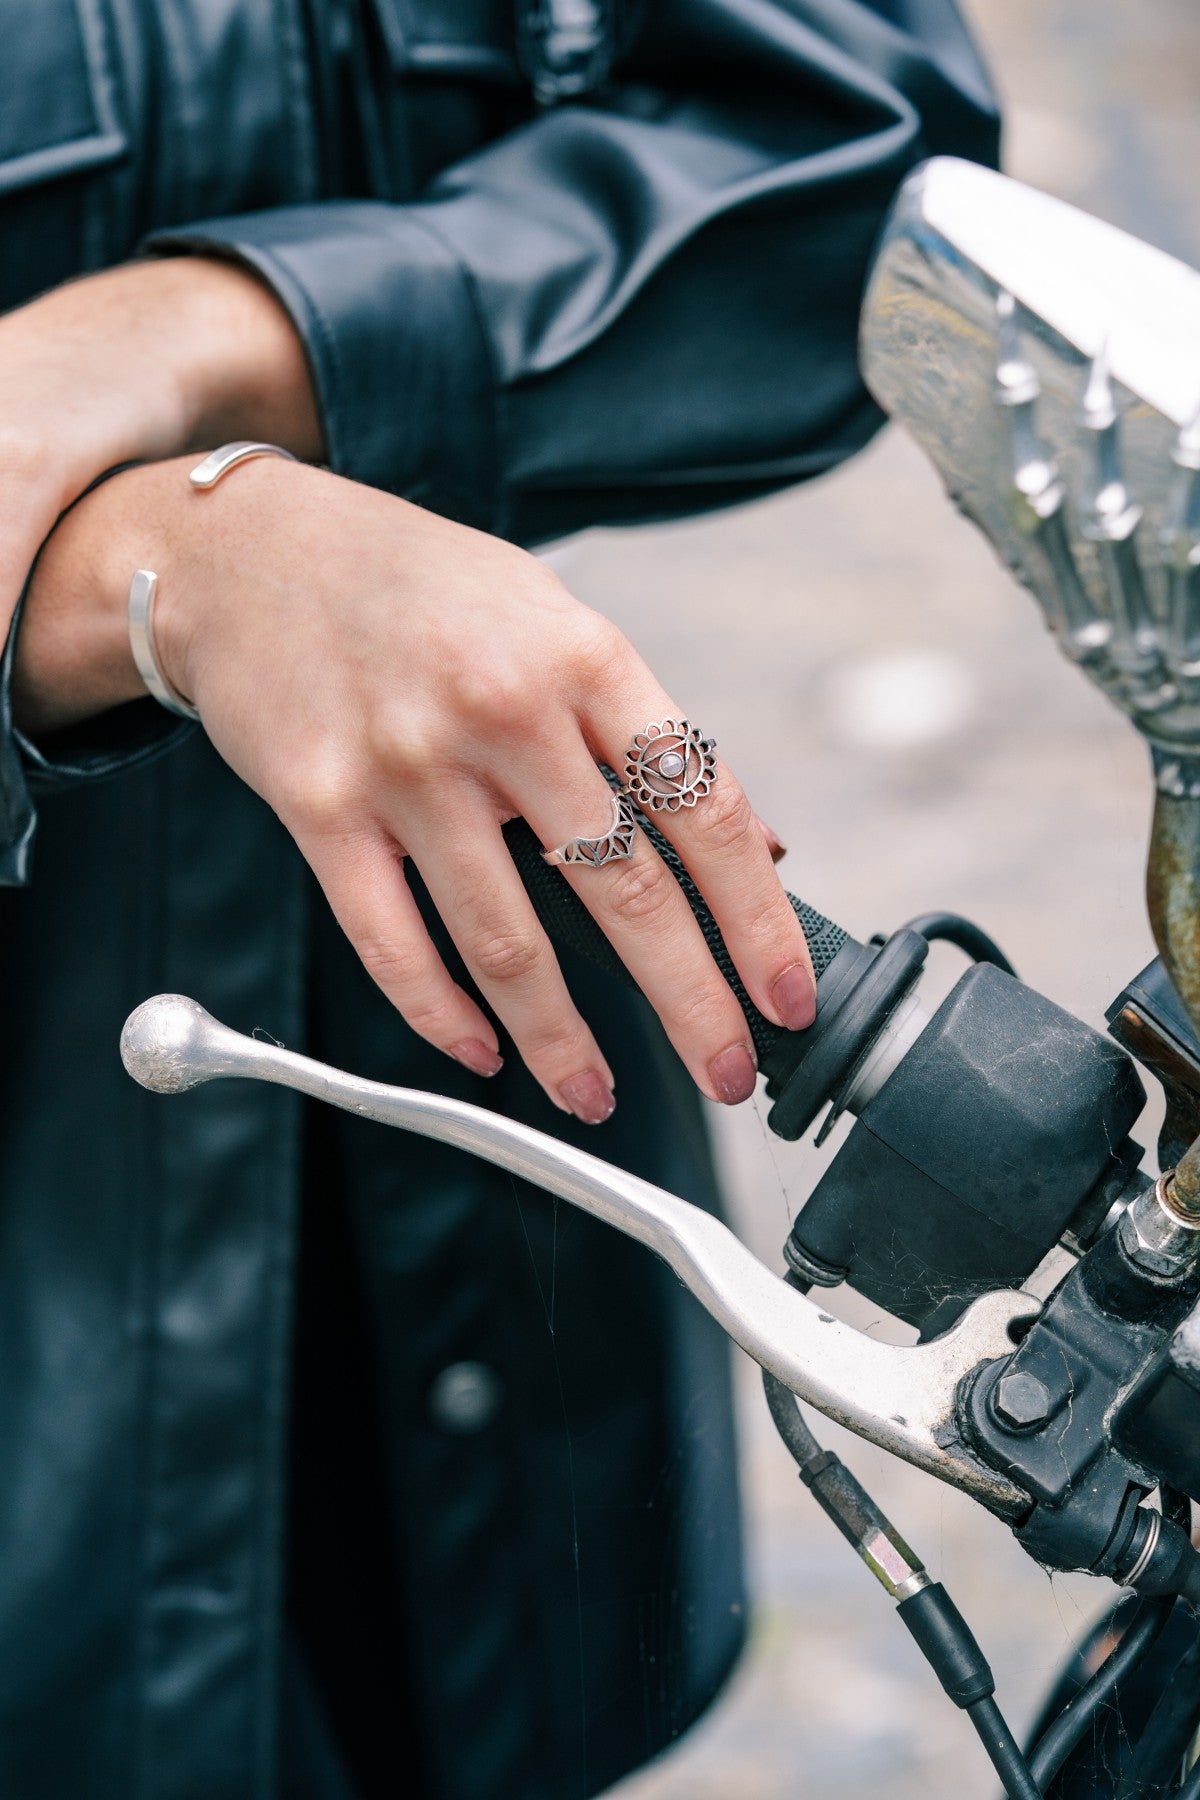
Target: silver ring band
(669, 766)
(615, 846)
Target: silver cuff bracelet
(142, 588)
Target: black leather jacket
(250, 1542)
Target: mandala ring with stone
(669, 766)
(615, 846)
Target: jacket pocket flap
(57, 104)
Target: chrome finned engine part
(1049, 364)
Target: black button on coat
(552, 267)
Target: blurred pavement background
(892, 704)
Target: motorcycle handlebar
(569, 924)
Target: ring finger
(701, 808)
(642, 910)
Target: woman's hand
(397, 687)
(135, 364)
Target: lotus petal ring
(614, 846)
(669, 765)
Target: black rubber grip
(569, 923)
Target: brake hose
(1060, 1739)
(1167, 1732)
(941, 1633)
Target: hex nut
(1021, 1399)
(1153, 1239)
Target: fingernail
(774, 842)
(732, 1074)
(795, 997)
(474, 1054)
(589, 1097)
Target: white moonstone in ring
(669, 765)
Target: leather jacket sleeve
(634, 306)
(640, 306)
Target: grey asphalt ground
(893, 705)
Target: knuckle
(406, 745)
(725, 819)
(601, 654)
(496, 700)
(430, 1019)
(505, 957)
(708, 1010)
(557, 1046)
(322, 799)
(641, 890)
(392, 965)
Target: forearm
(138, 364)
(146, 361)
(73, 653)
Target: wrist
(73, 655)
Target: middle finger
(645, 914)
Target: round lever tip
(163, 1044)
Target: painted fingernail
(732, 1074)
(774, 842)
(795, 997)
(589, 1097)
(474, 1054)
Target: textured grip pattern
(568, 923)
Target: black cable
(939, 1630)
(952, 928)
(1002, 1747)
(1166, 1733)
(1059, 1739)
(802, 1446)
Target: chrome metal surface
(900, 1398)
(142, 590)
(669, 765)
(615, 845)
(219, 462)
(1153, 1533)
(1153, 1234)
(1050, 366)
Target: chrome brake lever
(902, 1399)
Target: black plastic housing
(1158, 1421)
(970, 1162)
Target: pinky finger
(366, 888)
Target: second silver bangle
(144, 585)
